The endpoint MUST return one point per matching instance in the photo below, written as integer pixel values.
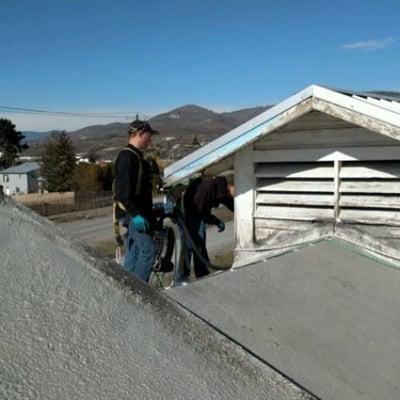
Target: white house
(21, 178)
(314, 163)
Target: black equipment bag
(164, 244)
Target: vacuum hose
(182, 224)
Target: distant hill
(186, 120)
(192, 120)
(183, 124)
(114, 129)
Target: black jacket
(202, 195)
(127, 170)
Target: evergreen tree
(10, 143)
(58, 163)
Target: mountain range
(186, 126)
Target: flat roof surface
(324, 315)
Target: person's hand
(140, 223)
(221, 226)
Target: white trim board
(326, 154)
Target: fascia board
(385, 104)
(358, 105)
(233, 140)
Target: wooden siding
(317, 129)
(369, 192)
(319, 169)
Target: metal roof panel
(24, 168)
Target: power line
(31, 111)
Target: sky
(124, 57)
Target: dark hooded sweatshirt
(202, 195)
(126, 184)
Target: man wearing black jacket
(134, 200)
(200, 197)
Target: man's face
(145, 140)
(231, 189)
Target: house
(313, 291)
(321, 160)
(21, 178)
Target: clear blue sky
(151, 56)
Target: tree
(58, 163)
(87, 178)
(10, 143)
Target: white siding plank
(315, 120)
(295, 199)
(292, 185)
(371, 216)
(327, 138)
(294, 170)
(362, 201)
(381, 231)
(376, 186)
(294, 213)
(305, 154)
(370, 170)
(283, 225)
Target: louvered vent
(290, 196)
(369, 192)
(292, 191)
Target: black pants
(196, 228)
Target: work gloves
(140, 223)
(221, 226)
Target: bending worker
(134, 200)
(200, 197)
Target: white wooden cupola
(316, 162)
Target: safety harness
(163, 238)
(118, 204)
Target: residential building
(21, 178)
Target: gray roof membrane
(76, 326)
(325, 315)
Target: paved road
(101, 229)
(90, 230)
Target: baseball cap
(141, 126)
